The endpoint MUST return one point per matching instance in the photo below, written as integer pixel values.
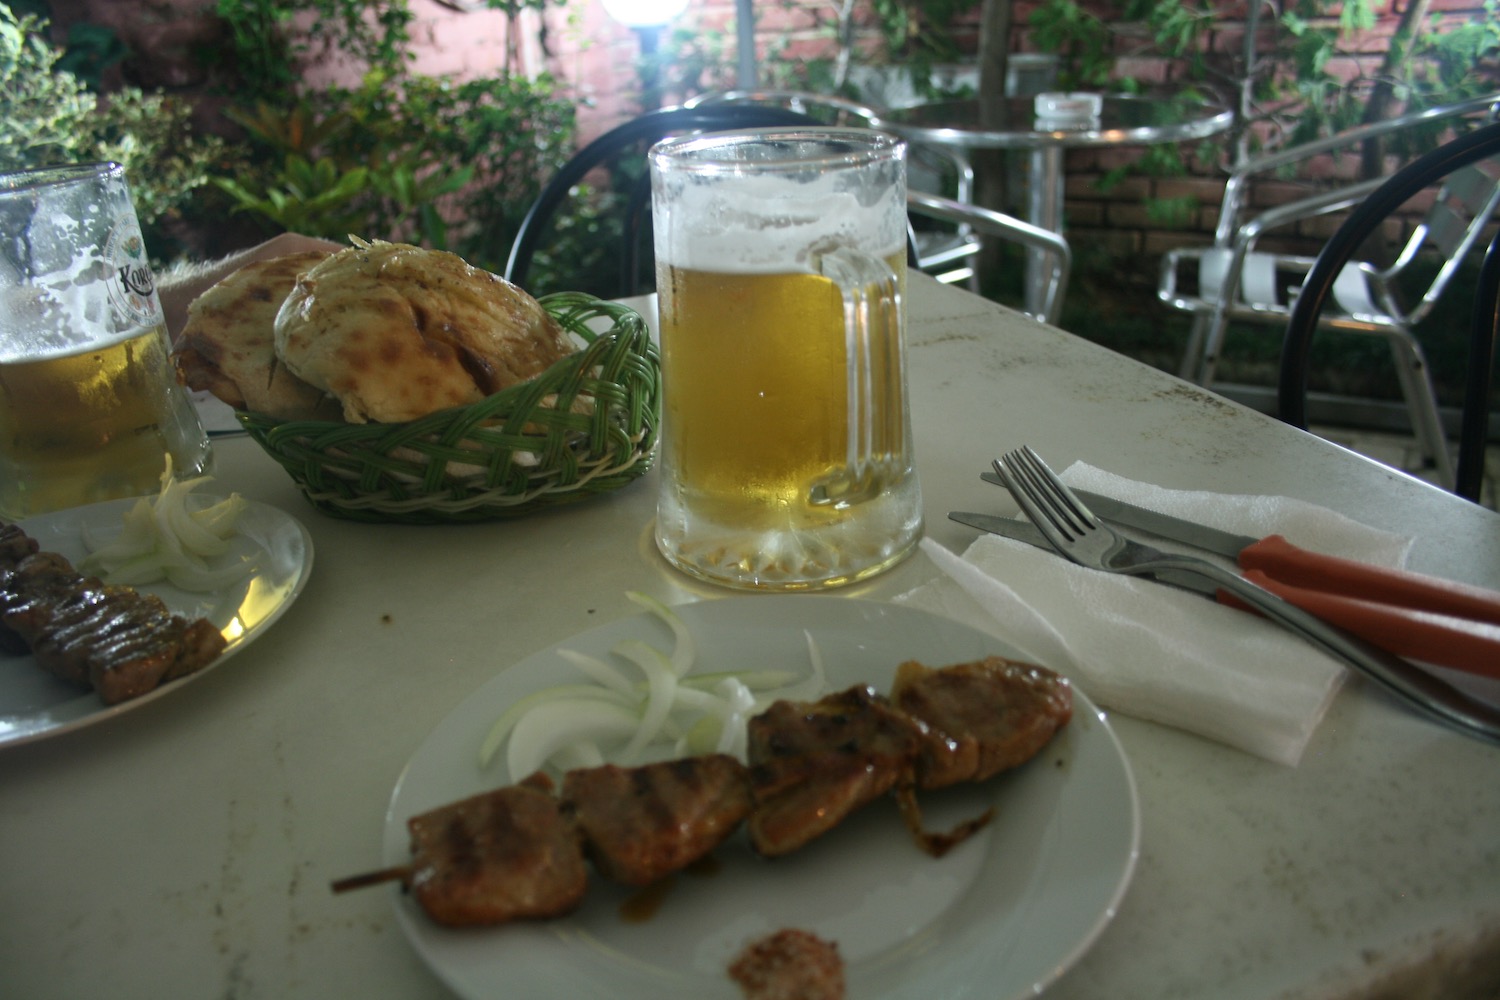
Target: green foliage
(48, 116)
(1080, 37)
(271, 43)
(419, 159)
(919, 33)
(41, 112)
(312, 198)
(401, 156)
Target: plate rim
(414, 925)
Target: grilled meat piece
(121, 642)
(15, 544)
(980, 718)
(858, 720)
(814, 763)
(509, 854)
(642, 823)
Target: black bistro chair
(1478, 150)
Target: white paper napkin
(1144, 649)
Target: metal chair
(1469, 162)
(1232, 280)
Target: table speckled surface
(184, 849)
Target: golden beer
(92, 425)
(757, 394)
(757, 422)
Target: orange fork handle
(1286, 563)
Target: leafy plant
(48, 116)
(414, 158)
(271, 43)
(42, 112)
(404, 156)
(314, 198)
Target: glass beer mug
(781, 267)
(89, 401)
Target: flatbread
(228, 344)
(395, 332)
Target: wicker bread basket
(584, 426)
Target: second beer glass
(89, 401)
(781, 271)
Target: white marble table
(184, 849)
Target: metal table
(1012, 124)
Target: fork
(1076, 533)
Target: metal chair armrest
(988, 222)
(1349, 137)
(1323, 203)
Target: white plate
(34, 704)
(999, 917)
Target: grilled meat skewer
(813, 764)
(119, 641)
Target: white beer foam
(765, 225)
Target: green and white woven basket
(585, 426)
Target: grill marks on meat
(980, 718)
(641, 824)
(115, 639)
(520, 853)
(814, 763)
(509, 854)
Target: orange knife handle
(1439, 639)
(1284, 562)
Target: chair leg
(1421, 404)
(1215, 330)
(1192, 355)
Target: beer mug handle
(873, 369)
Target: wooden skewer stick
(367, 879)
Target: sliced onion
(548, 728)
(597, 670)
(685, 650)
(669, 709)
(161, 539)
(661, 680)
(571, 693)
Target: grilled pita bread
(395, 332)
(228, 345)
